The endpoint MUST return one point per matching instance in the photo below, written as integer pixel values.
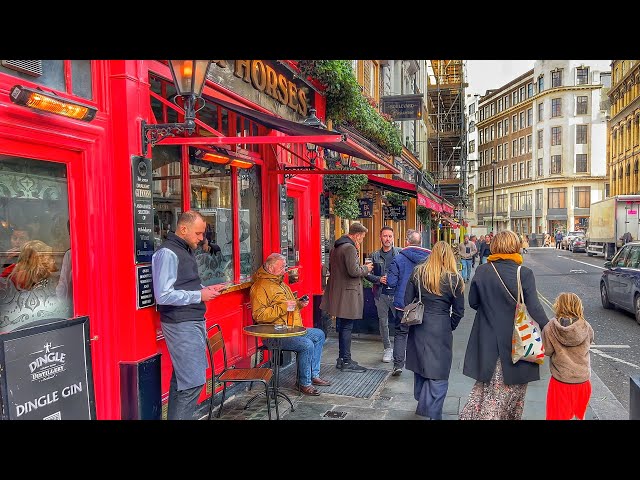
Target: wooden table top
(270, 331)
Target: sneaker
(396, 371)
(340, 363)
(387, 355)
(352, 366)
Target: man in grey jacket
(382, 293)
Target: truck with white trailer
(609, 220)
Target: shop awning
(431, 201)
(450, 221)
(352, 144)
(397, 186)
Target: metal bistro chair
(215, 343)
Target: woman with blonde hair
(500, 385)
(430, 344)
(35, 264)
(567, 339)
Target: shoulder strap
(419, 289)
(520, 292)
(505, 287)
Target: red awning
(351, 144)
(450, 221)
(398, 186)
(427, 202)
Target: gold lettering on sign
(264, 78)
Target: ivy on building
(346, 190)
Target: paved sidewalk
(384, 397)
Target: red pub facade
(78, 187)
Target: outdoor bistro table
(277, 332)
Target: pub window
(167, 190)
(581, 105)
(35, 254)
(54, 76)
(581, 163)
(556, 197)
(211, 196)
(582, 197)
(250, 221)
(556, 163)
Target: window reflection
(250, 221)
(167, 191)
(34, 243)
(211, 196)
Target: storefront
(101, 192)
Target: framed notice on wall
(46, 373)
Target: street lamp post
(493, 192)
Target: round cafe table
(277, 332)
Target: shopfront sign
(366, 207)
(46, 372)
(284, 222)
(144, 284)
(142, 208)
(402, 107)
(395, 213)
(426, 202)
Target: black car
(620, 282)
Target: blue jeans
(466, 269)
(483, 260)
(308, 348)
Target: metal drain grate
(334, 414)
(351, 384)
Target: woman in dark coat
(500, 385)
(430, 344)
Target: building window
(540, 111)
(556, 78)
(582, 76)
(522, 146)
(556, 107)
(492, 131)
(506, 125)
(581, 134)
(472, 146)
(522, 171)
(540, 171)
(493, 108)
(505, 171)
(472, 109)
(523, 123)
(514, 122)
(514, 95)
(499, 152)
(507, 101)
(540, 83)
(514, 148)
(35, 245)
(472, 127)
(557, 197)
(540, 139)
(506, 150)
(529, 172)
(539, 199)
(514, 172)
(581, 163)
(556, 163)
(500, 129)
(500, 108)
(581, 105)
(582, 197)
(522, 97)
(529, 141)
(529, 117)
(556, 136)
(499, 175)
(529, 90)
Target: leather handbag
(412, 314)
(526, 339)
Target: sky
(483, 75)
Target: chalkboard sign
(46, 372)
(284, 222)
(142, 208)
(144, 286)
(395, 213)
(366, 207)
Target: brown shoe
(310, 390)
(320, 381)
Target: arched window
(620, 172)
(628, 170)
(635, 167)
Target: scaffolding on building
(447, 155)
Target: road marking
(544, 300)
(610, 346)
(579, 261)
(598, 352)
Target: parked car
(579, 244)
(620, 282)
(569, 237)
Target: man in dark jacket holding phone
(382, 293)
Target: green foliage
(347, 105)
(424, 215)
(345, 185)
(396, 199)
(346, 207)
(366, 283)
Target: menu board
(142, 208)
(46, 372)
(144, 286)
(284, 221)
(395, 212)
(366, 207)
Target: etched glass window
(35, 254)
(250, 221)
